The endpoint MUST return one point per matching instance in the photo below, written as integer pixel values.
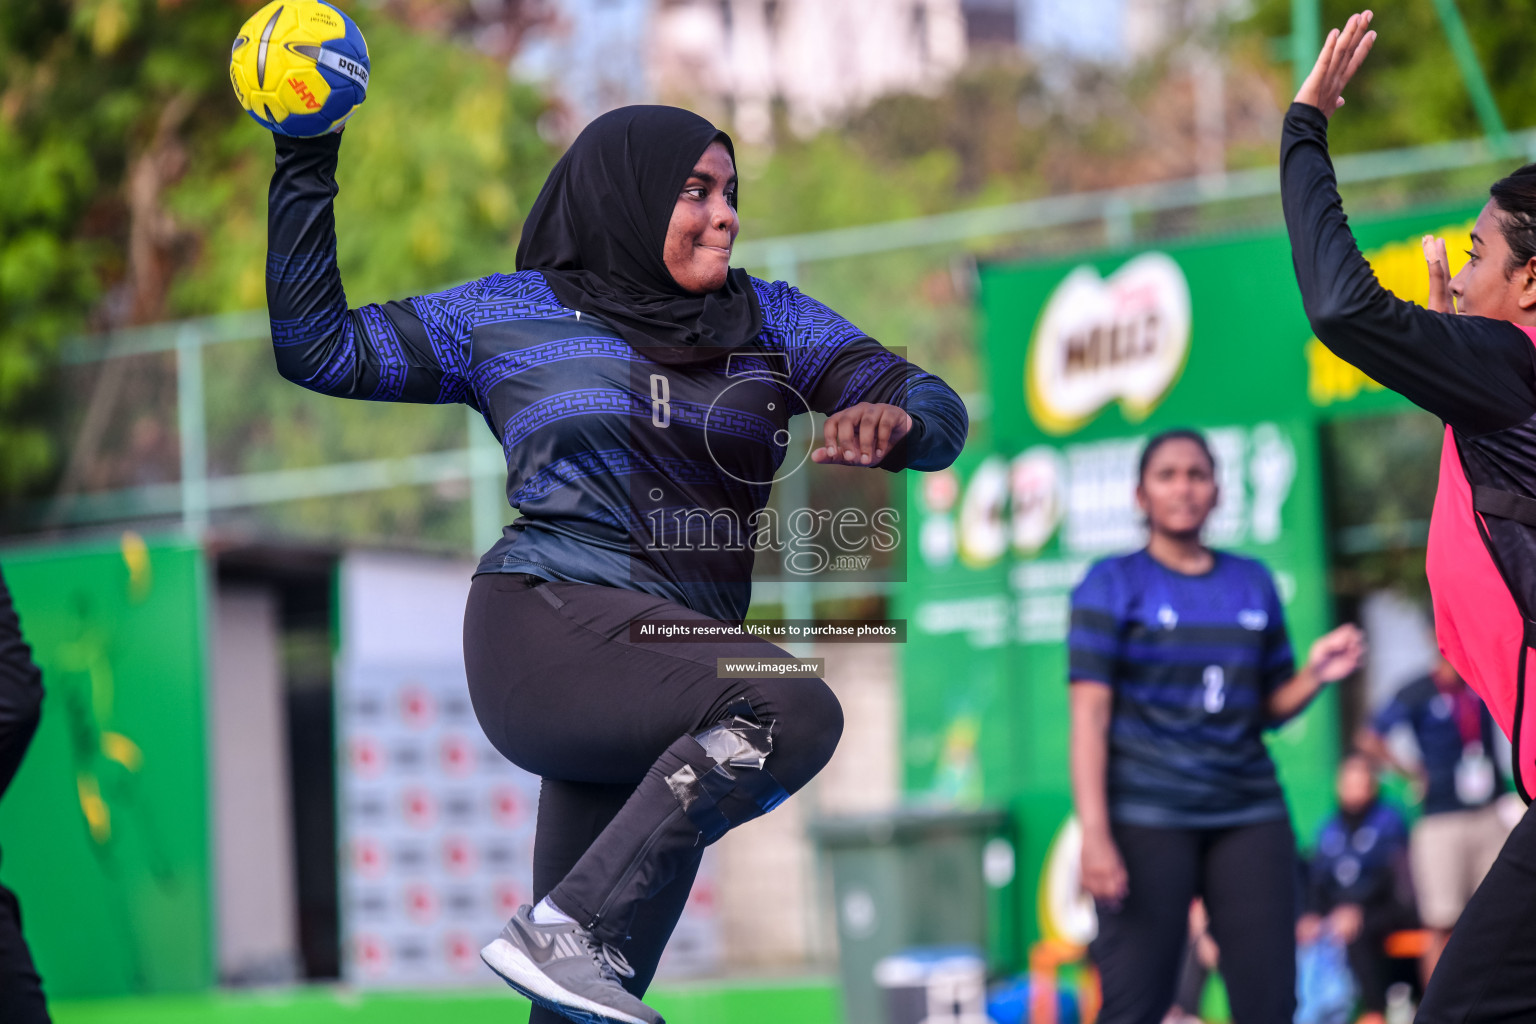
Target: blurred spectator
(1461, 832)
(21, 696)
(1358, 890)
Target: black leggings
(562, 691)
(1488, 970)
(1247, 875)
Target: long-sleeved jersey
(1476, 374)
(627, 472)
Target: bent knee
(806, 733)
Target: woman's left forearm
(1290, 697)
(940, 424)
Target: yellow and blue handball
(299, 67)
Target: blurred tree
(998, 132)
(1410, 91)
(136, 191)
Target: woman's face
(704, 224)
(1178, 490)
(1485, 286)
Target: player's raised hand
(1342, 54)
(1439, 276)
(860, 435)
(1336, 654)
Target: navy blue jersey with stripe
(627, 472)
(1358, 858)
(1191, 660)
(1431, 714)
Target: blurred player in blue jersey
(642, 390)
(1358, 887)
(1179, 661)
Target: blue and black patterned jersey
(627, 472)
(1192, 661)
(1360, 858)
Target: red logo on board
(371, 954)
(463, 955)
(368, 856)
(367, 759)
(421, 903)
(417, 708)
(458, 855)
(507, 806)
(458, 756)
(419, 808)
(508, 898)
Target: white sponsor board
(435, 827)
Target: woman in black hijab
(642, 391)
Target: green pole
(192, 426)
(1306, 38)
(1471, 70)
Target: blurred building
(818, 59)
(739, 60)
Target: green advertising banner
(105, 829)
(1086, 358)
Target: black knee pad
(735, 752)
(820, 726)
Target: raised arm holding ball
(1470, 359)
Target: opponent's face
(1178, 490)
(704, 224)
(1485, 286)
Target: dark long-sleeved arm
(21, 690)
(939, 426)
(1475, 373)
(377, 352)
(833, 365)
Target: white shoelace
(610, 961)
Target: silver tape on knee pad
(737, 741)
(740, 741)
(699, 796)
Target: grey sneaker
(563, 968)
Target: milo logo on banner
(1098, 340)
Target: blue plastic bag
(1325, 988)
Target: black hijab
(599, 227)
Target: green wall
(105, 830)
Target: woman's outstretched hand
(1439, 276)
(1337, 654)
(1342, 54)
(860, 435)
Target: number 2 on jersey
(661, 400)
(1215, 688)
